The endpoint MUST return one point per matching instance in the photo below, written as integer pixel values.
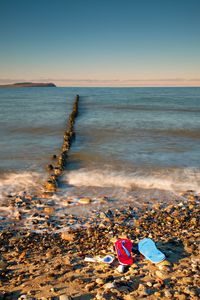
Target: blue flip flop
(148, 248)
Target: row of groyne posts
(56, 170)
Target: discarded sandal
(123, 248)
(148, 248)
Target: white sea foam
(13, 183)
(176, 180)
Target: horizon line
(80, 82)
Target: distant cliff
(27, 84)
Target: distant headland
(27, 84)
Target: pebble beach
(47, 259)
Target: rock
(157, 295)
(121, 269)
(49, 210)
(67, 236)
(51, 186)
(168, 294)
(130, 297)
(102, 215)
(3, 265)
(109, 285)
(65, 297)
(57, 171)
(164, 269)
(186, 280)
(49, 167)
(142, 290)
(66, 260)
(100, 281)
(181, 296)
(90, 286)
(84, 200)
(161, 275)
(23, 297)
(124, 289)
(164, 263)
(31, 292)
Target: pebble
(161, 275)
(100, 281)
(130, 297)
(168, 294)
(23, 297)
(49, 210)
(109, 285)
(67, 236)
(157, 295)
(65, 297)
(89, 287)
(3, 265)
(149, 283)
(164, 263)
(84, 200)
(121, 269)
(142, 290)
(181, 296)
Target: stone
(130, 297)
(66, 260)
(84, 200)
(3, 265)
(89, 287)
(100, 281)
(67, 236)
(121, 269)
(51, 186)
(164, 263)
(161, 275)
(157, 294)
(49, 210)
(164, 268)
(23, 297)
(142, 290)
(65, 297)
(109, 285)
(181, 296)
(168, 294)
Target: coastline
(27, 84)
(44, 244)
(48, 263)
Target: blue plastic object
(148, 248)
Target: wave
(35, 130)
(172, 180)
(100, 135)
(13, 183)
(139, 107)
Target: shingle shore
(46, 264)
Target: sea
(132, 144)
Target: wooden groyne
(56, 170)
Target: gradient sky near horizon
(100, 42)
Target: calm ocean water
(127, 139)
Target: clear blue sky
(100, 42)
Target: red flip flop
(123, 248)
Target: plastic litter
(108, 259)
